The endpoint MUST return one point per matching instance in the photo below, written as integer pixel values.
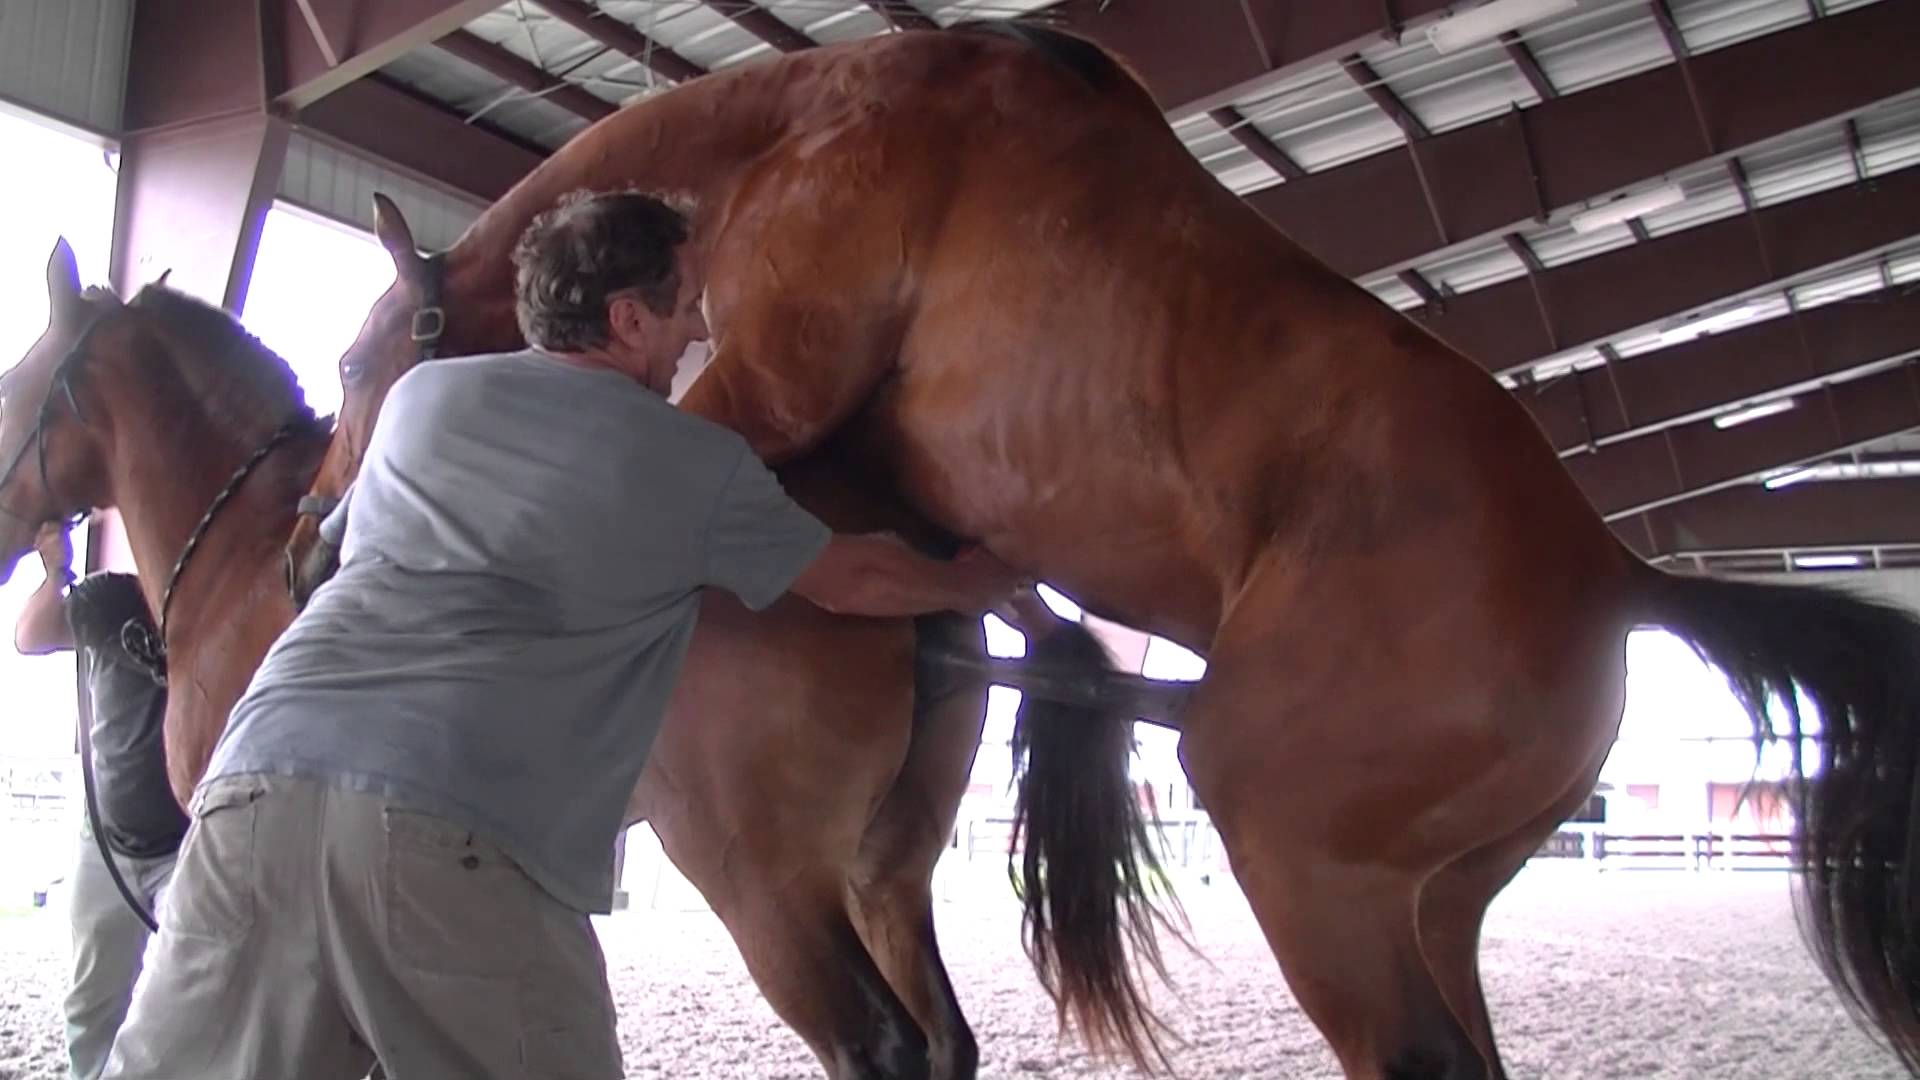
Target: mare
(808, 806)
(980, 256)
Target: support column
(193, 200)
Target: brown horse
(807, 802)
(984, 258)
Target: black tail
(1089, 875)
(1857, 844)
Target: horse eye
(351, 370)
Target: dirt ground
(1648, 974)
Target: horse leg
(1348, 754)
(1453, 906)
(892, 878)
(808, 960)
(766, 772)
(1454, 902)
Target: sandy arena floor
(1638, 975)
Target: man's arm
(878, 575)
(42, 626)
(761, 544)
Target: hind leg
(1453, 907)
(1341, 921)
(1347, 754)
(892, 879)
(810, 964)
(1347, 943)
(763, 778)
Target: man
(141, 821)
(410, 817)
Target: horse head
(52, 466)
(408, 324)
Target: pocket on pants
(211, 894)
(456, 904)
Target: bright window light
(313, 282)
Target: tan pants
(309, 930)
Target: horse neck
(681, 141)
(165, 471)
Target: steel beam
(1505, 326)
(344, 40)
(1841, 513)
(762, 24)
(1647, 394)
(1523, 58)
(1694, 459)
(385, 121)
(504, 65)
(1194, 53)
(902, 14)
(1258, 145)
(623, 39)
(1489, 177)
(195, 59)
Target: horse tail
(1857, 817)
(1088, 875)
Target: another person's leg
(237, 987)
(108, 942)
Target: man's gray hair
(573, 259)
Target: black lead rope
(133, 900)
(148, 647)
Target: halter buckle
(428, 324)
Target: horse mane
(230, 371)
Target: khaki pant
(309, 930)
(108, 941)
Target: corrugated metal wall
(67, 58)
(327, 180)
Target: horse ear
(161, 281)
(63, 277)
(391, 227)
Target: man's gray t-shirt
(519, 578)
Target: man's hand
(42, 626)
(1028, 613)
(56, 552)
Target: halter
(36, 440)
(427, 327)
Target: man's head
(612, 278)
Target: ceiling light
(1707, 324)
(1490, 20)
(1789, 478)
(1826, 562)
(1754, 412)
(1599, 217)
